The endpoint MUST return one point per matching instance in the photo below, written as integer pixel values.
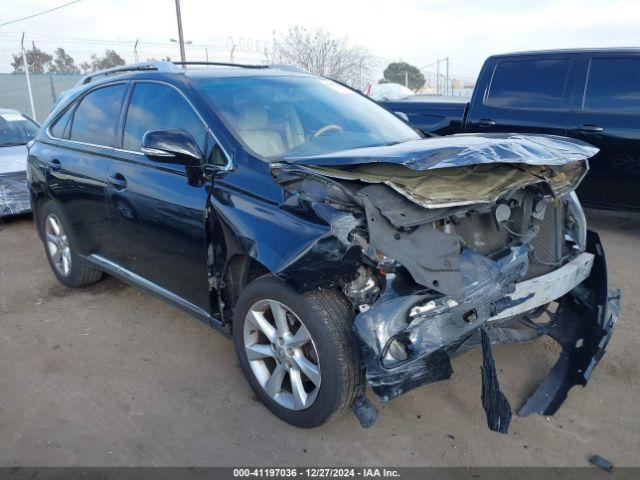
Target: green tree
(63, 62)
(111, 59)
(37, 60)
(404, 74)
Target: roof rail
(221, 64)
(154, 65)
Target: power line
(38, 14)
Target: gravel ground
(106, 376)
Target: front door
(608, 117)
(157, 218)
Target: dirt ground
(106, 376)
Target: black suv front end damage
(477, 241)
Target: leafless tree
(321, 54)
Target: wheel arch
(37, 200)
(239, 270)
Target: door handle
(589, 128)
(55, 164)
(487, 122)
(118, 181)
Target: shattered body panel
(14, 191)
(14, 194)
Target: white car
(16, 130)
(383, 92)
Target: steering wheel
(327, 128)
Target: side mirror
(175, 146)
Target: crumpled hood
(13, 159)
(461, 169)
(461, 150)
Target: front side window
(536, 84)
(613, 85)
(154, 106)
(16, 129)
(96, 117)
(277, 116)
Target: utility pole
(231, 53)
(406, 78)
(26, 71)
(446, 90)
(361, 62)
(206, 52)
(135, 50)
(438, 77)
(183, 57)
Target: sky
(417, 31)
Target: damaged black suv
(337, 246)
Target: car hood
(13, 159)
(461, 150)
(460, 169)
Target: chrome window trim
(79, 99)
(228, 166)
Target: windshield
(16, 129)
(297, 116)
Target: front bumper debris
(582, 324)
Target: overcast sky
(418, 31)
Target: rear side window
(613, 85)
(154, 106)
(529, 84)
(96, 117)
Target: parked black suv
(588, 94)
(336, 245)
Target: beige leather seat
(288, 124)
(253, 126)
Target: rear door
(77, 166)
(607, 115)
(522, 94)
(157, 218)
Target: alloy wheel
(282, 354)
(58, 245)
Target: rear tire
(327, 317)
(61, 248)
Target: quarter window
(96, 117)
(58, 129)
(613, 85)
(153, 107)
(525, 84)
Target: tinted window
(529, 84)
(613, 85)
(96, 117)
(278, 116)
(153, 107)
(57, 130)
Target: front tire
(61, 248)
(297, 350)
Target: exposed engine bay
(442, 259)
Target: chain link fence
(46, 88)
